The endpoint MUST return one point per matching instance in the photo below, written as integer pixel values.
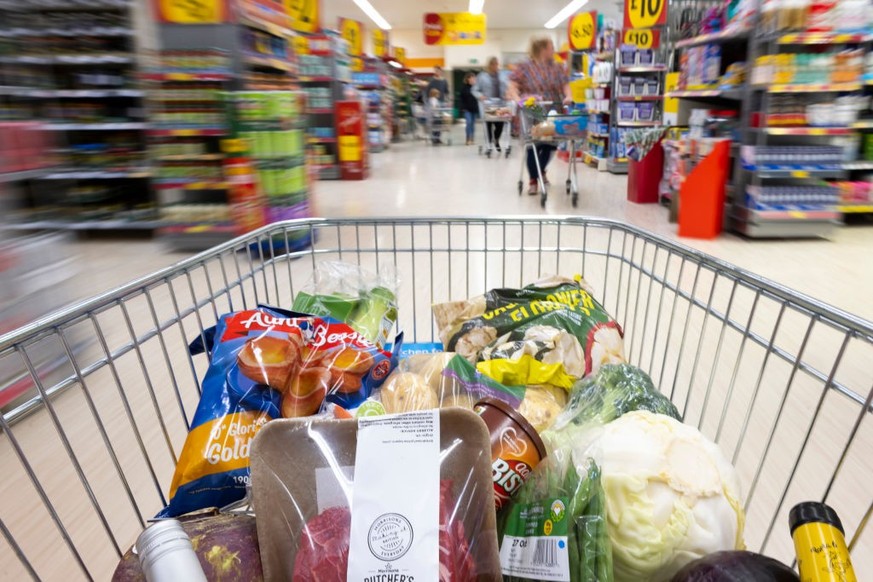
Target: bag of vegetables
(550, 332)
(555, 527)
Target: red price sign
(645, 13)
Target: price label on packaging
(642, 38)
(351, 31)
(645, 13)
(582, 31)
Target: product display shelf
(636, 99)
(325, 74)
(821, 129)
(89, 99)
(188, 123)
(268, 151)
(373, 84)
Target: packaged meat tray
(420, 485)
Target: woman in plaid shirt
(542, 77)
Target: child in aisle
(469, 105)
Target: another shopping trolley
(497, 111)
(537, 129)
(440, 120)
(780, 381)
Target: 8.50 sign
(645, 13)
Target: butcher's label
(395, 499)
(535, 543)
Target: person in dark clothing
(469, 105)
(489, 85)
(438, 83)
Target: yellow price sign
(301, 45)
(192, 11)
(350, 148)
(381, 42)
(351, 31)
(304, 15)
(799, 174)
(642, 38)
(797, 214)
(582, 31)
(357, 64)
(400, 55)
(578, 87)
(645, 13)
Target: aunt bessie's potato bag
(266, 365)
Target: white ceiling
(408, 14)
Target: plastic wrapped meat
(323, 555)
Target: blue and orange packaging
(267, 364)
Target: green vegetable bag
(555, 528)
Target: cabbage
(671, 495)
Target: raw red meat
(323, 554)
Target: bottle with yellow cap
(820, 544)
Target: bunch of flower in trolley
(533, 106)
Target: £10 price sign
(645, 13)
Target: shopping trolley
(780, 381)
(440, 119)
(497, 111)
(553, 129)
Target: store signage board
(381, 43)
(192, 11)
(305, 15)
(642, 38)
(582, 31)
(645, 13)
(452, 28)
(353, 32)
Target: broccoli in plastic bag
(555, 528)
(613, 391)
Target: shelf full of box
(793, 221)
(40, 39)
(324, 73)
(628, 65)
(373, 84)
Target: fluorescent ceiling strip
(373, 14)
(476, 6)
(565, 13)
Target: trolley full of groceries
(519, 399)
(497, 111)
(541, 123)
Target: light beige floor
(685, 347)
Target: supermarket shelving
(721, 37)
(115, 126)
(810, 88)
(823, 38)
(729, 94)
(812, 131)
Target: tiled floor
(717, 371)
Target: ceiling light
(565, 13)
(374, 14)
(476, 6)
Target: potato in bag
(266, 364)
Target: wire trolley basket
(780, 381)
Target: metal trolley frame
(440, 119)
(487, 114)
(780, 381)
(528, 123)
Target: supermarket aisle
(414, 179)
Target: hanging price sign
(304, 15)
(381, 43)
(351, 31)
(582, 31)
(645, 13)
(642, 38)
(400, 55)
(192, 11)
(301, 45)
